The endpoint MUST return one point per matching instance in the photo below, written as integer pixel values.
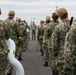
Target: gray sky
(39, 9)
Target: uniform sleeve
(70, 47)
(50, 30)
(47, 32)
(72, 41)
(6, 30)
(25, 33)
(16, 29)
(55, 42)
(38, 33)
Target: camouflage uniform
(46, 54)
(12, 25)
(69, 67)
(45, 42)
(12, 29)
(33, 27)
(3, 47)
(50, 30)
(40, 36)
(58, 38)
(20, 32)
(26, 34)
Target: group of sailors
(57, 41)
(18, 31)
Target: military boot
(46, 64)
(9, 74)
(55, 72)
(19, 58)
(41, 53)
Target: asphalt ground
(33, 61)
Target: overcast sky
(38, 9)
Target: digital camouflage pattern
(25, 33)
(45, 44)
(20, 32)
(12, 30)
(33, 27)
(70, 51)
(12, 27)
(50, 30)
(40, 36)
(3, 47)
(58, 38)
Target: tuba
(11, 57)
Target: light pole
(34, 19)
(31, 22)
(56, 9)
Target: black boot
(41, 53)
(9, 74)
(46, 64)
(19, 58)
(55, 72)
